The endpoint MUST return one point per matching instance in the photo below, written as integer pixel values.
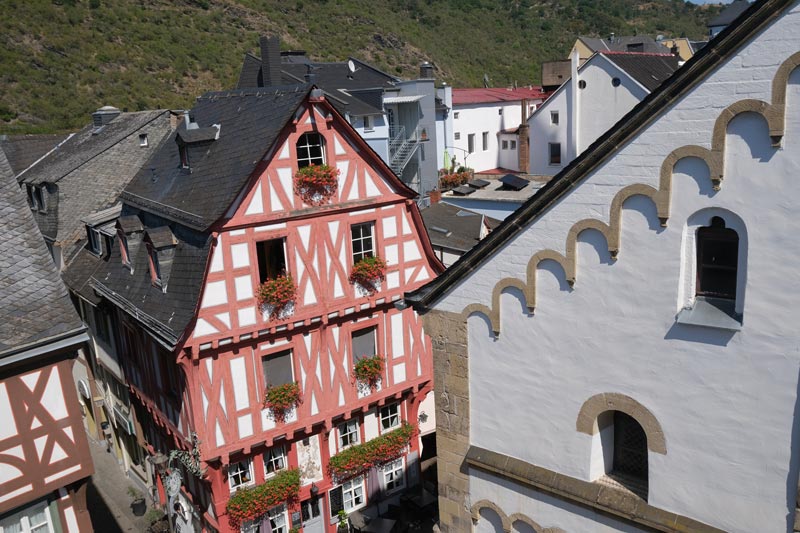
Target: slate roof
(250, 122)
(24, 150)
(728, 42)
(462, 227)
(495, 95)
(625, 44)
(650, 70)
(89, 171)
(34, 305)
(343, 87)
(729, 14)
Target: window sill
(717, 313)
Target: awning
(401, 99)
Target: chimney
(435, 196)
(523, 141)
(104, 115)
(426, 71)
(611, 37)
(271, 60)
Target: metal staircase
(402, 149)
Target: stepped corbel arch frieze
(714, 158)
(508, 521)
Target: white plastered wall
(725, 401)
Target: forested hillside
(61, 59)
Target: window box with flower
(368, 272)
(281, 399)
(316, 184)
(452, 180)
(368, 371)
(355, 460)
(276, 297)
(251, 503)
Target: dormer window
(143, 140)
(37, 198)
(123, 250)
(94, 241)
(31, 199)
(184, 151)
(310, 150)
(155, 268)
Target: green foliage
(359, 458)
(249, 503)
(65, 58)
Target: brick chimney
(435, 196)
(523, 142)
(271, 60)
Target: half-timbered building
(215, 218)
(45, 463)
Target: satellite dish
(351, 66)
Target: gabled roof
(34, 306)
(728, 42)
(641, 43)
(24, 150)
(729, 14)
(250, 121)
(495, 95)
(650, 70)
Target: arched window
(624, 444)
(717, 260)
(310, 150)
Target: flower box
(277, 295)
(368, 371)
(451, 181)
(368, 272)
(356, 460)
(250, 503)
(316, 184)
(281, 399)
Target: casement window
(457, 136)
(348, 433)
(39, 198)
(240, 474)
(94, 241)
(101, 326)
(513, 145)
(471, 142)
(368, 123)
(554, 118)
(278, 368)
(485, 140)
(271, 257)
(184, 153)
(310, 150)
(717, 260)
(143, 140)
(390, 417)
(274, 460)
(277, 522)
(555, 153)
(364, 343)
(505, 145)
(363, 244)
(34, 519)
(309, 509)
(394, 475)
(348, 496)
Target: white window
(34, 519)
(240, 474)
(505, 145)
(277, 519)
(364, 343)
(457, 136)
(390, 417)
(310, 150)
(142, 139)
(94, 241)
(363, 245)
(274, 460)
(348, 433)
(353, 494)
(471, 142)
(485, 140)
(554, 118)
(393, 475)
(368, 123)
(455, 115)
(513, 145)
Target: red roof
(614, 53)
(492, 95)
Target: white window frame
(505, 144)
(95, 240)
(366, 251)
(351, 492)
(279, 514)
(276, 454)
(143, 140)
(513, 144)
(250, 482)
(485, 140)
(393, 475)
(393, 419)
(369, 124)
(554, 118)
(23, 518)
(471, 143)
(308, 160)
(351, 431)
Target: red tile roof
(492, 95)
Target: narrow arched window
(310, 150)
(717, 260)
(624, 445)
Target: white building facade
(621, 354)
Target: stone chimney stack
(523, 142)
(271, 60)
(426, 71)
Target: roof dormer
(161, 244)
(129, 231)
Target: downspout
(575, 115)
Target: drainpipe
(575, 115)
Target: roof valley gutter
(683, 80)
